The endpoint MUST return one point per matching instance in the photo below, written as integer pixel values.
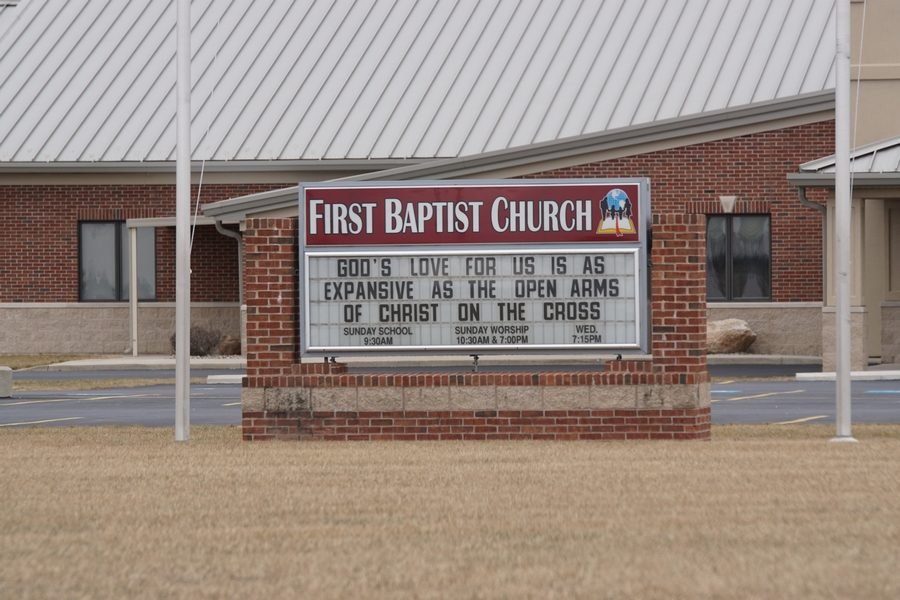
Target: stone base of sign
(476, 406)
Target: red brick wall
(678, 295)
(270, 293)
(39, 244)
(678, 302)
(214, 265)
(754, 168)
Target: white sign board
(485, 296)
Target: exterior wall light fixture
(727, 203)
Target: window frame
(729, 257)
(120, 231)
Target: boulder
(728, 336)
(229, 346)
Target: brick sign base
(561, 406)
(664, 396)
(613, 424)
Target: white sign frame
(638, 250)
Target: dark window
(104, 262)
(738, 258)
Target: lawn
(27, 361)
(77, 381)
(759, 512)
(88, 383)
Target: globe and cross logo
(616, 214)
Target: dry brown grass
(52, 385)
(759, 512)
(24, 361)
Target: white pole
(132, 288)
(842, 219)
(182, 224)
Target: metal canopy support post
(132, 288)
(842, 220)
(182, 224)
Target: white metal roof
(8, 14)
(388, 79)
(880, 157)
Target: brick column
(270, 287)
(678, 296)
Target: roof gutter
(860, 180)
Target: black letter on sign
(352, 313)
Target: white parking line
(232, 403)
(45, 401)
(754, 396)
(803, 420)
(39, 422)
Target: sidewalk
(149, 362)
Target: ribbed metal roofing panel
(340, 79)
(8, 13)
(880, 157)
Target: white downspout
(242, 308)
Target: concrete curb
(854, 376)
(761, 359)
(224, 379)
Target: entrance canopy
(875, 254)
(872, 165)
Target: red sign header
(470, 214)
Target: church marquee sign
(474, 266)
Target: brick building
(710, 101)
(661, 395)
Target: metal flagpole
(842, 219)
(182, 223)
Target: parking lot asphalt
(739, 394)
